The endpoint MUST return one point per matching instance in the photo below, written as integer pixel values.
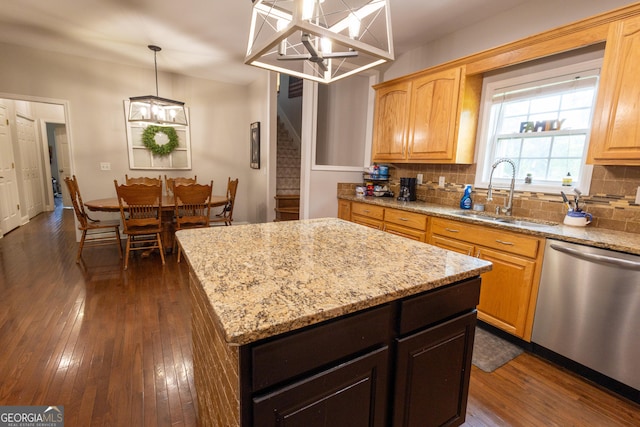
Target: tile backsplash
(611, 200)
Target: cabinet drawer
(409, 233)
(431, 307)
(371, 211)
(301, 352)
(406, 219)
(516, 244)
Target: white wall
(526, 19)
(95, 90)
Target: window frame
(522, 76)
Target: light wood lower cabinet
(395, 221)
(509, 291)
(344, 209)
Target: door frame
(46, 173)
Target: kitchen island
(325, 319)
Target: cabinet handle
(469, 252)
(366, 211)
(403, 219)
(505, 243)
(452, 230)
(478, 254)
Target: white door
(9, 201)
(29, 159)
(64, 161)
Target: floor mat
(491, 352)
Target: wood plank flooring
(113, 346)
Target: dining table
(110, 204)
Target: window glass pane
(536, 167)
(516, 108)
(576, 119)
(512, 124)
(509, 148)
(545, 104)
(581, 98)
(558, 168)
(536, 147)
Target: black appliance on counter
(407, 191)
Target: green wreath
(149, 139)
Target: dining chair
(142, 180)
(100, 233)
(226, 216)
(172, 182)
(141, 213)
(192, 208)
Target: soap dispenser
(465, 201)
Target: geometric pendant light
(319, 40)
(156, 110)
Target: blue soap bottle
(465, 201)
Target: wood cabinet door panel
(506, 290)
(615, 139)
(439, 357)
(344, 209)
(406, 219)
(391, 122)
(433, 118)
(351, 394)
(452, 245)
(409, 233)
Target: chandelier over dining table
(320, 40)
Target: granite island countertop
(266, 279)
(597, 237)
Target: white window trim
(490, 84)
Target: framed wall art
(255, 145)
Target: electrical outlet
(638, 196)
(419, 179)
(104, 166)
(441, 181)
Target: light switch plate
(104, 166)
(419, 179)
(441, 181)
(638, 196)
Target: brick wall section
(612, 199)
(215, 366)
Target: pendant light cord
(155, 62)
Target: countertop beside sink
(597, 237)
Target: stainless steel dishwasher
(588, 309)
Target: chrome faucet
(508, 205)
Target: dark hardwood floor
(113, 346)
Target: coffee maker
(407, 189)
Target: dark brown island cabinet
(406, 363)
(404, 360)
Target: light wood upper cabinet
(391, 122)
(615, 136)
(428, 118)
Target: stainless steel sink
(503, 219)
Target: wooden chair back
(143, 180)
(192, 207)
(102, 232)
(170, 183)
(76, 200)
(141, 213)
(226, 216)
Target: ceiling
(199, 38)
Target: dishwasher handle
(617, 262)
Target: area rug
(490, 352)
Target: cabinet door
(452, 245)
(391, 122)
(432, 376)
(351, 394)
(344, 209)
(506, 291)
(433, 117)
(615, 138)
